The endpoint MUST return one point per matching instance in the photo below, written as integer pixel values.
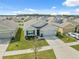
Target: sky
(11, 7)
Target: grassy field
(49, 54)
(22, 43)
(65, 38)
(76, 47)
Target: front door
(38, 32)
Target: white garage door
(49, 30)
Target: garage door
(49, 30)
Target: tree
(36, 47)
(18, 34)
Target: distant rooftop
(6, 25)
(33, 15)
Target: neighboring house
(7, 28)
(70, 26)
(66, 27)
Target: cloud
(47, 11)
(53, 7)
(76, 11)
(29, 9)
(32, 11)
(25, 11)
(64, 12)
(43, 11)
(61, 13)
(71, 3)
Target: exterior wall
(31, 33)
(66, 30)
(60, 30)
(72, 29)
(77, 28)
(29, 29)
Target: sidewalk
(3, 46)
(17, 52)
(61, 50)
(72, 43)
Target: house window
(30, 33)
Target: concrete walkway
(3, 46)
(61, 50)
(17, 52)
(72, 43)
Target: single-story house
(70, 26)
(34, 29)
(7, 28)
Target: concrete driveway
(62, 50)
(3, 46)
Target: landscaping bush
(59, 35)
(29, 37)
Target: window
(30, 32)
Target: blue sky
(39, 6)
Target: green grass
(49, 54)
(25, 44)
(65, 38)
(76, 47)
(21, 43)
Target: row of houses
(7, 27)
(69, 26)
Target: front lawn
(48, 54)
(25, 44)
(66, 38)
(76, 47)
(22, 43)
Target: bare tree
(36, 47)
